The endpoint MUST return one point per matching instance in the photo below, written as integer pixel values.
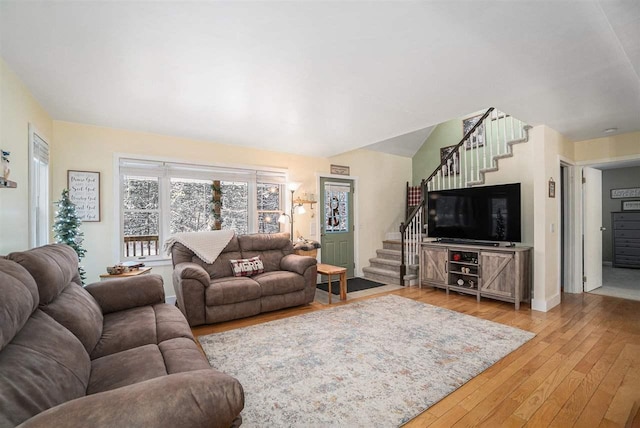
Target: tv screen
(489, 213)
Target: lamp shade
(293, 185)
(283, 218)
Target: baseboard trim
(545, 305)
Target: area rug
(353, 284)
(373, 363)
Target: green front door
(337, 224)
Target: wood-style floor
(582, 369)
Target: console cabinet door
(434, 265)
(498, 273)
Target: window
(38, 189)
(162, 198)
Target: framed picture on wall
(452, 165)
(84, 192)
(477, 138)
(631, 205)
(632, 192)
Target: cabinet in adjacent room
(626, 239)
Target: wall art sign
(476, 139)
(339, 170)
(84, 192)
(633, 192)
(552, 188)
(630, 205)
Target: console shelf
(502, 273)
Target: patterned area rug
(374, 363)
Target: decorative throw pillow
(247, 267)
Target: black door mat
(353, 284)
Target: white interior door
(592, 228)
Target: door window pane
(336, 208)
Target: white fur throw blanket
(206, 245)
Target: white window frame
(186, 169)
(39, 183)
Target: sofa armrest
(201, 398)
(190, 270)
(119, 294)
(190, 282)
(296, 263)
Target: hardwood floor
(582, 369)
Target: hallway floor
(620, 282)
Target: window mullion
(165, 208)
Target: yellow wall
(18, 109)
(617, 147)
(92, 148)
(380, 193)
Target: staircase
(385, 267)
(477, 154)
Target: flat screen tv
(489, 213)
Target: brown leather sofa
(112, 354)
(209, 293)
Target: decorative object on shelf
(552, 188)
(4, 179)
(456, 257)
(460, 282)
(453, 163)
(340, 170)
(5, 164)
(117, 269)
(476, 139)
(84, 192)
(633, 192)
(630, 206)
(67, 229)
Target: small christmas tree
(67, 228)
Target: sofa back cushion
(220, 268)
(55, 270)
(271, 247)
(44, 365)
(19, 299)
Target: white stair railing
(476, 154)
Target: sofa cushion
(43, 366)
(182, 355)
(52, 266)
(146, 325)
(279, 282)
(19, 299)
(247, 267)
(126, 368)
(270, 247)
(125, 330)
(231, 290)
(55, 270)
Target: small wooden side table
(325, 269)
(136, 272)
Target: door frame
(357, 270)
(572, 230)
(618, 162)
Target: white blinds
(146, 168)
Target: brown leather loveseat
(209, 292)
(112, 354)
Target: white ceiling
(322, 78)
